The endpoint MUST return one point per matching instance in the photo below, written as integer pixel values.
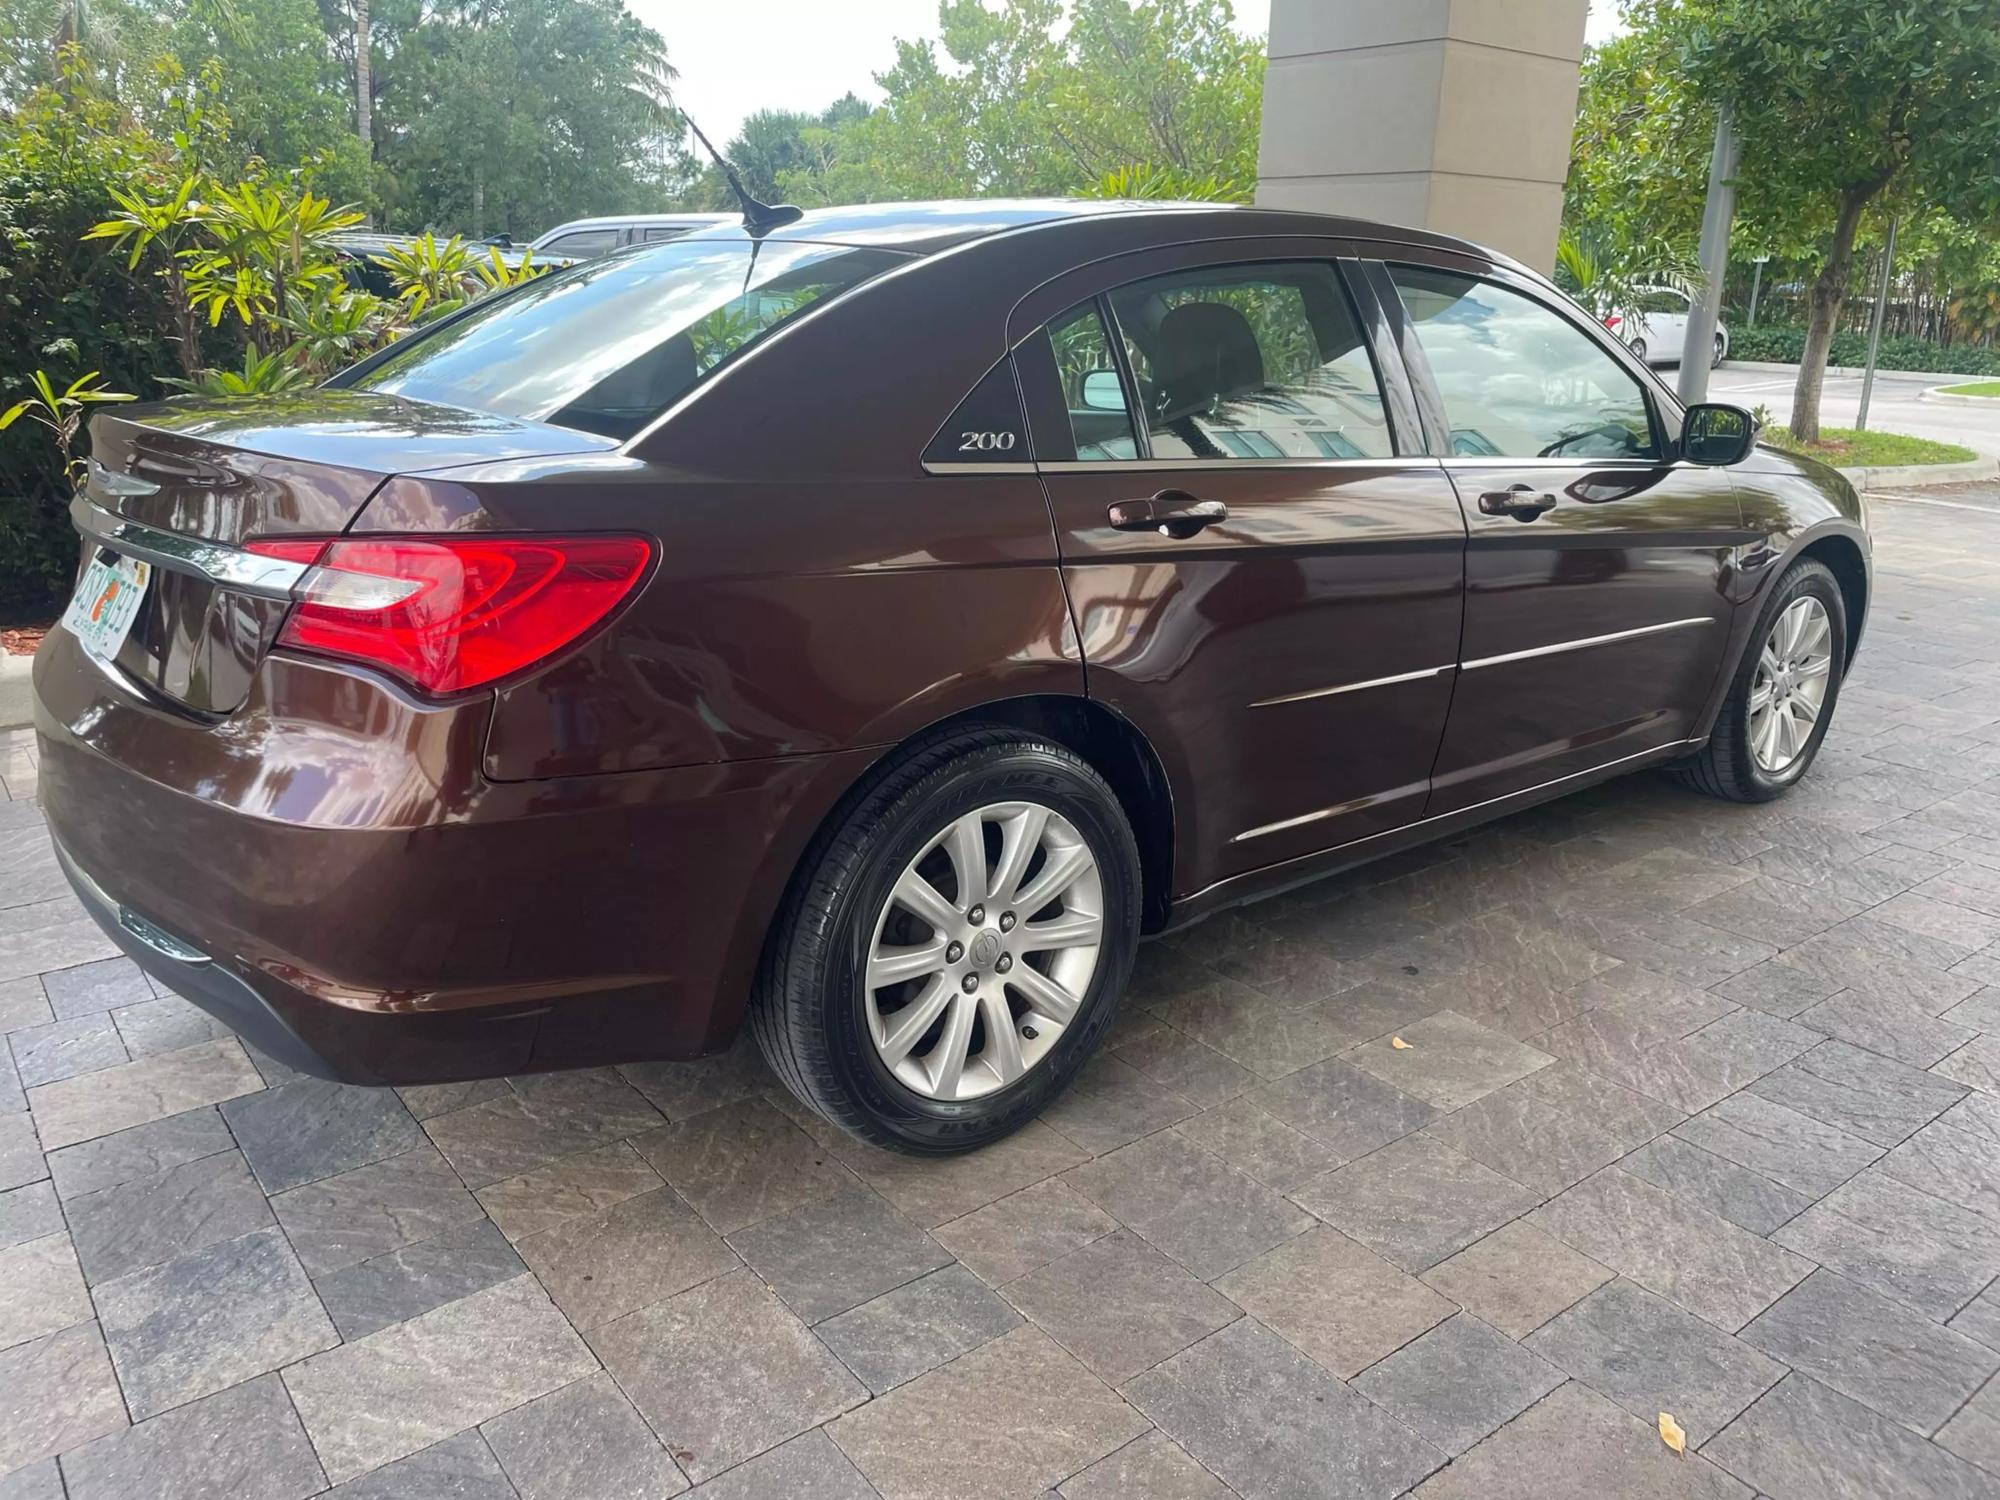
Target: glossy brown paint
(584, 864)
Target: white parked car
(580, 239)
(1658, 328)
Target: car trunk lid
(184, 484)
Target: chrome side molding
(1354, 687)
(229, 567)
(1585, 643)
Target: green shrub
(1788, 345)
(38, 556)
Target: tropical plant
(1145, 180)
(261, 242)
(429, 274)
(1610, 280)
(165, 225)
(332, 326)
(261, 375)
(495, 275)
(62, 413)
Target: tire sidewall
(1805, 577)
(1009, 773)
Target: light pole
(1875, 331)
(1757, 283)
(1697, 349)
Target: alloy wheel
(1788, 690)
(984, 950)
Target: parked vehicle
(580, 239)
(1657, 330)
(868, 630)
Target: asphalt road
(1895, 407)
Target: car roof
(925, 227)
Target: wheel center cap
(985, 949)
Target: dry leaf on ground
(1671, 1434)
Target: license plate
(101, 612)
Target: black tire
(1721, 353)
(808, 1012)
(1725, 767)
(1639, 350)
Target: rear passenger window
(1518, 379)
(1252, 362)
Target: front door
(1597, 567)
(1264, 567)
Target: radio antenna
(759, 217)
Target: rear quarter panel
(785, 617)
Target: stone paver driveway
(1699, 1113)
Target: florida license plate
(101, 612)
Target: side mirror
(1717, 436)
(1103, 391)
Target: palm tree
(364, 86)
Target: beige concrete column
(1452, 115)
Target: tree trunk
(1828, 293)
(364, 83)
(187, 322)
(478, 200)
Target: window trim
(1128, 378)
(1431, 396)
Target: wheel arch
(1844, 559)
(1112, 745)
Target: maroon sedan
(872, 627)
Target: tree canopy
(1011, 101)
(1842, 107)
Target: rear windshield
(607, 346)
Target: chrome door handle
(1173, 513)
(1521, 501)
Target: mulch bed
(21, 640)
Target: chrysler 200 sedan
(868, 629)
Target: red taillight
(1612, 320)
(451, 613)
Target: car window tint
(665, 232)
(1091, 390)
(1262, 361)
(583, 242)
(1661, 301)
(1519, 380)
(607, 345)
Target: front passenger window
(1519, 380)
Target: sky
(739, 56)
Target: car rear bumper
(328, 873)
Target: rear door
(1264, 566)
(1597, 567)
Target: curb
(1771, 367)
(1944, 397)
(17, 697)
(1916, 476)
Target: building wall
(1452, 115)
